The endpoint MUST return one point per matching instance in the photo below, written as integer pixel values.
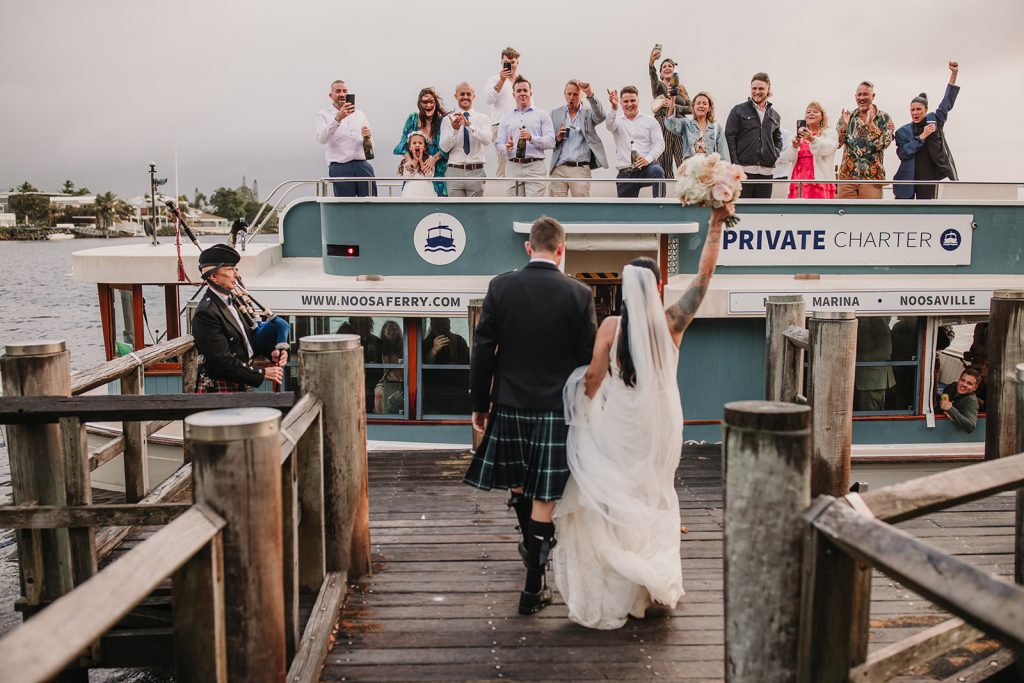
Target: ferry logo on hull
(439, 239)
(950, 240)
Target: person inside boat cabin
(962, 407)
(225, 344)
(441, 346)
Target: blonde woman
(812, 153)
(699, 132)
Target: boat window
(444, 369)
(888, 365)
(154, 319)
(958, 347)
(124, 326)
(383, 342)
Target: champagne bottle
(634, 156)
(674, 88)
(367, 147)
(521, 146)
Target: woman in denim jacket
(698, 131)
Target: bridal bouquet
(707, 180)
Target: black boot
(523, 506)
(536, 595)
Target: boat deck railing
(391, 187)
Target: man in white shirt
(465, 133)
(345, 131)
(523, 136)
(498, 94)
(635, 131)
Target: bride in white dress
(412, 167)
(618, 521)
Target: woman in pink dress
(812, 154)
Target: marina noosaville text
(973, 301)
(858, 239)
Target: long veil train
(618, 521)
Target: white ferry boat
(399, 272)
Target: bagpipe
(260, 320)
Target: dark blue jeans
(268, 335)
(633, 189)
(352, 169)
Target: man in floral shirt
(865, 135)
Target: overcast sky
(92, 91)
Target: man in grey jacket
(578, 148)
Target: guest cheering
(696, 133)
(427, 120)
(921, 145)
(665, 88)
(416, 166)
(812, 153)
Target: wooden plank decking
(441, 604)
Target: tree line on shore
(33, 209)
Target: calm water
(41, 299)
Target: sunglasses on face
(426, 102)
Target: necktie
(465, 133)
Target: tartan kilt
(208, 385)
(522, 448)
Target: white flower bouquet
(707, 180)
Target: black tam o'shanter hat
(217, 256)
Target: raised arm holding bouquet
(708, 180)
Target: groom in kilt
(536, 327)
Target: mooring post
(476, 307)
(332, 369)
(767, 461)
(37, 466)
(1005, 351)
(236, 471)
(784, 362)
(831, 366)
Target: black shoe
(529, 603)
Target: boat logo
(439, 239)
(950, 239)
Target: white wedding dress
(418, 185)
(618, 520)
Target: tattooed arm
(681, 313)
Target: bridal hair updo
(626, 368)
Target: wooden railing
(798, 575)
(284, 494)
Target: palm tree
(105, 214)
(68, 188)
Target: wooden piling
(784, 362)
(1005, 351)
(476, 308)
(37, 467)
(1018, 544)
(332, 369)
(236, 471)
(767, 460)
(831, 368)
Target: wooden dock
(441, 602)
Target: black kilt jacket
(221, 343)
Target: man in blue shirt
(523, 136)
(578, 148)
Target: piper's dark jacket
(220, 341)
(753, 142)
(537, 325)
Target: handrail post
(1018, 536)
(831, 366)
(784, 366)
(765, 441)
(136, 456)
(1005, 351)
(476, 308)
(37, 467)
(331, 367)
(236, 471)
